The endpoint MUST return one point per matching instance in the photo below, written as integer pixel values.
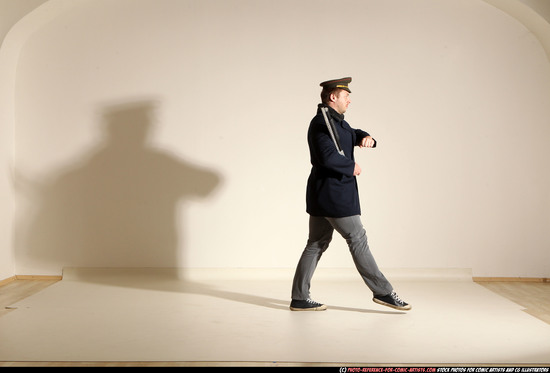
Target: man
(333, 200)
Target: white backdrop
(173, 133)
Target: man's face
(341, 101)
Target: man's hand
(356, 170)
(367, 142)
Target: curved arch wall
(172, 133)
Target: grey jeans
(320, 235)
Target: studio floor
(242, 317)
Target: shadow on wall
(117, 206)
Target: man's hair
(326, 92)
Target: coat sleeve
(324, 153)
(360, 135)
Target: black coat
(331, 187)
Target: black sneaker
(392, 300)
(306, 305)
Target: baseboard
(7, 280)
(38, 277)
(30, 277)
(511, 279)
(475, 279)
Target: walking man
(332, 200)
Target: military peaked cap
(337, 83)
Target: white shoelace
(396, 297)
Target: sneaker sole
(320, 308)
(406, 308)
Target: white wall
(541, 7)
(172, 133)
(11, 12)
(534, 14)
(7, 197)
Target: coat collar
(333, 113)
